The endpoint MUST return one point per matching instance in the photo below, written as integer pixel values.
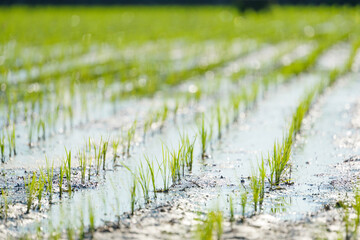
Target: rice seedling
(30, 133)
(152, 174)
(67, 166)
(255, 89)
(91, 218)
(164, 115)
(115, 145)
(301, 111)
(176, 109)
(147, 125)
(89, 168)
(2, 147)
(175, 164)
(49, 178)
(219, 120)
(164, 168)
(82, 225)
(346, 220)
(278, 162)
(5, 204)
(211, 132)
(130, 137)
(351, 223)
(227, 118)
(235, 103)
(188, 148)
(41, 128)
(103, 152)
(133, 195)
(255, 185)
(144, 181)
(231, 207)
(204, 137)
(40, 187)
(88, 145)
(61, 179)
(212, 225)
(30, 187)
(262, 176)
(69, 232)
(82, 165)
(198, 94)
(71, 115)
(244, 198)
(97, 158)
(11, 140)
(356, 207)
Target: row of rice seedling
(174, 161)
(171, 165)
(42, 124)
(177, 158)
(38, 181)
(171, 168)
(68, 110)
(278, 161)
(350, 215)
(144, 183)
(211, 227)
(247, 99)
(4, 204)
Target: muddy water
(104, 123)
(320, 174)
(323, 172)
(112, 197)
(72, 139)
(238, 154)
(317, 172)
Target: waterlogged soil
(325, 165)
(178, 221)
(308, 209)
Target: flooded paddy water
(190, 136)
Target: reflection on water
(280, 205)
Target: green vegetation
(255, 185)
(49, 178)
(164, 168)
(82, 163)
(2, 148)
(30, 186)
(144, 181)
(40, 186)
(91, 217)
(115, 145)
(152, 174)
(67, 166)
(4, 207)
(231, 207)
(67, 74)
(211, 227)
(350, 216)
(61, 179)
(133, 195)
(204, 137)
(244, 199)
